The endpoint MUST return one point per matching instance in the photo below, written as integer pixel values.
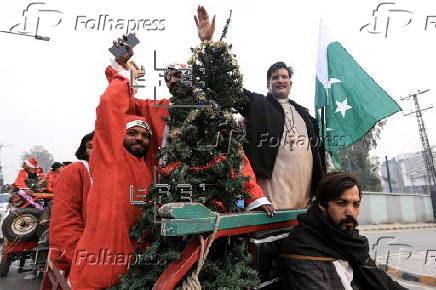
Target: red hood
(111, 72)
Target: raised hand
(122, 60)
(135, 69)
(204, 27)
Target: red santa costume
(68, 214)
(150, 110)
(20, 181)
(52, 178)
(105, 248)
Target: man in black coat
(325, 250)
(283, 144)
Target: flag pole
(323, 124)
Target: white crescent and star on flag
(351, 110)
(342, 107)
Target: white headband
(139, 123)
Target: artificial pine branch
(216, 83)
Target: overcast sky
(49, 89)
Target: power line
(426, 149)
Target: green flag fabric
(353, 102)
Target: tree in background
(45, 158)
(357, 160)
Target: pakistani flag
(353, 102)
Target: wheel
(21, 224)
(4, 268)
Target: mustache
(138, 152)
(348, 219)
(139, 142)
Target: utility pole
(388, 174)
(426, 149)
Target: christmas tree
(204, 150)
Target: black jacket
(265, 120)
(309, 275)
(317, 237)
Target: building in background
(408, 173)
(1, 177)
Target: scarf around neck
(316, 236)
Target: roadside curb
(409, 276)
(395, 227)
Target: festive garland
(170, 167)
(216, 83)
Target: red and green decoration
(204, 148)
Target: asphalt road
(16, 281)
(380, 243)
(413, 285)
(418, 240)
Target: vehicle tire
(21, 224)
(4, 268)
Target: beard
(174, 88)
(341, 224)
(139, 150)
(349, 219)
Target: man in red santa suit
(156, 110)
(68, 213)
(53, 175)
(120, 161)
(30, 170)
(117, 165)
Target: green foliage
(36, 184)
(219, 74)
(232, 270)
(357, 160)
(204, 147)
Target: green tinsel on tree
(191, 159)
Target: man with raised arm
(154, 114)
(283, 145)
(118, 167)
